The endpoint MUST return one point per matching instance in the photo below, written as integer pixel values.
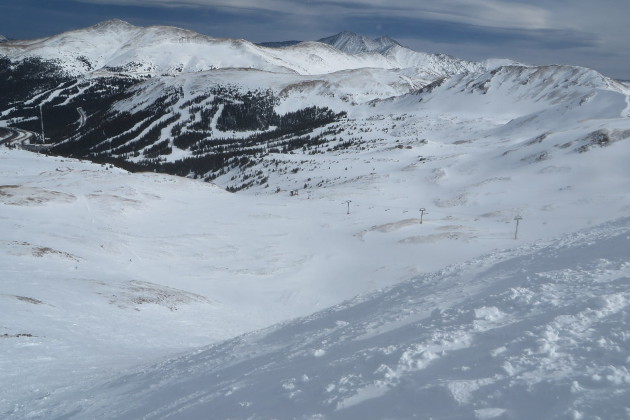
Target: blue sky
(579, 32)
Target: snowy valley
(132, 291)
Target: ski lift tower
(518, 219)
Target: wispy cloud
(489, 13)
(492, 13)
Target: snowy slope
(134, 268)
(105, 270)
(483, 145)
(538, 332)
(523, 91)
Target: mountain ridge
(118, 44)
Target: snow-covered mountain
(355, 173)
(3, 38)
(220, 124)
(268, 92)
(544, 95)
(119, 46)
(428, 66)
(186, 120)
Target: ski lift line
(360, 204)
(409, 209)
(414, 209)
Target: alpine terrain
(198, 227)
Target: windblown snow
(330, 294)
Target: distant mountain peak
(112, 23)
(3, 38)
(107, 26)
(352, 43)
